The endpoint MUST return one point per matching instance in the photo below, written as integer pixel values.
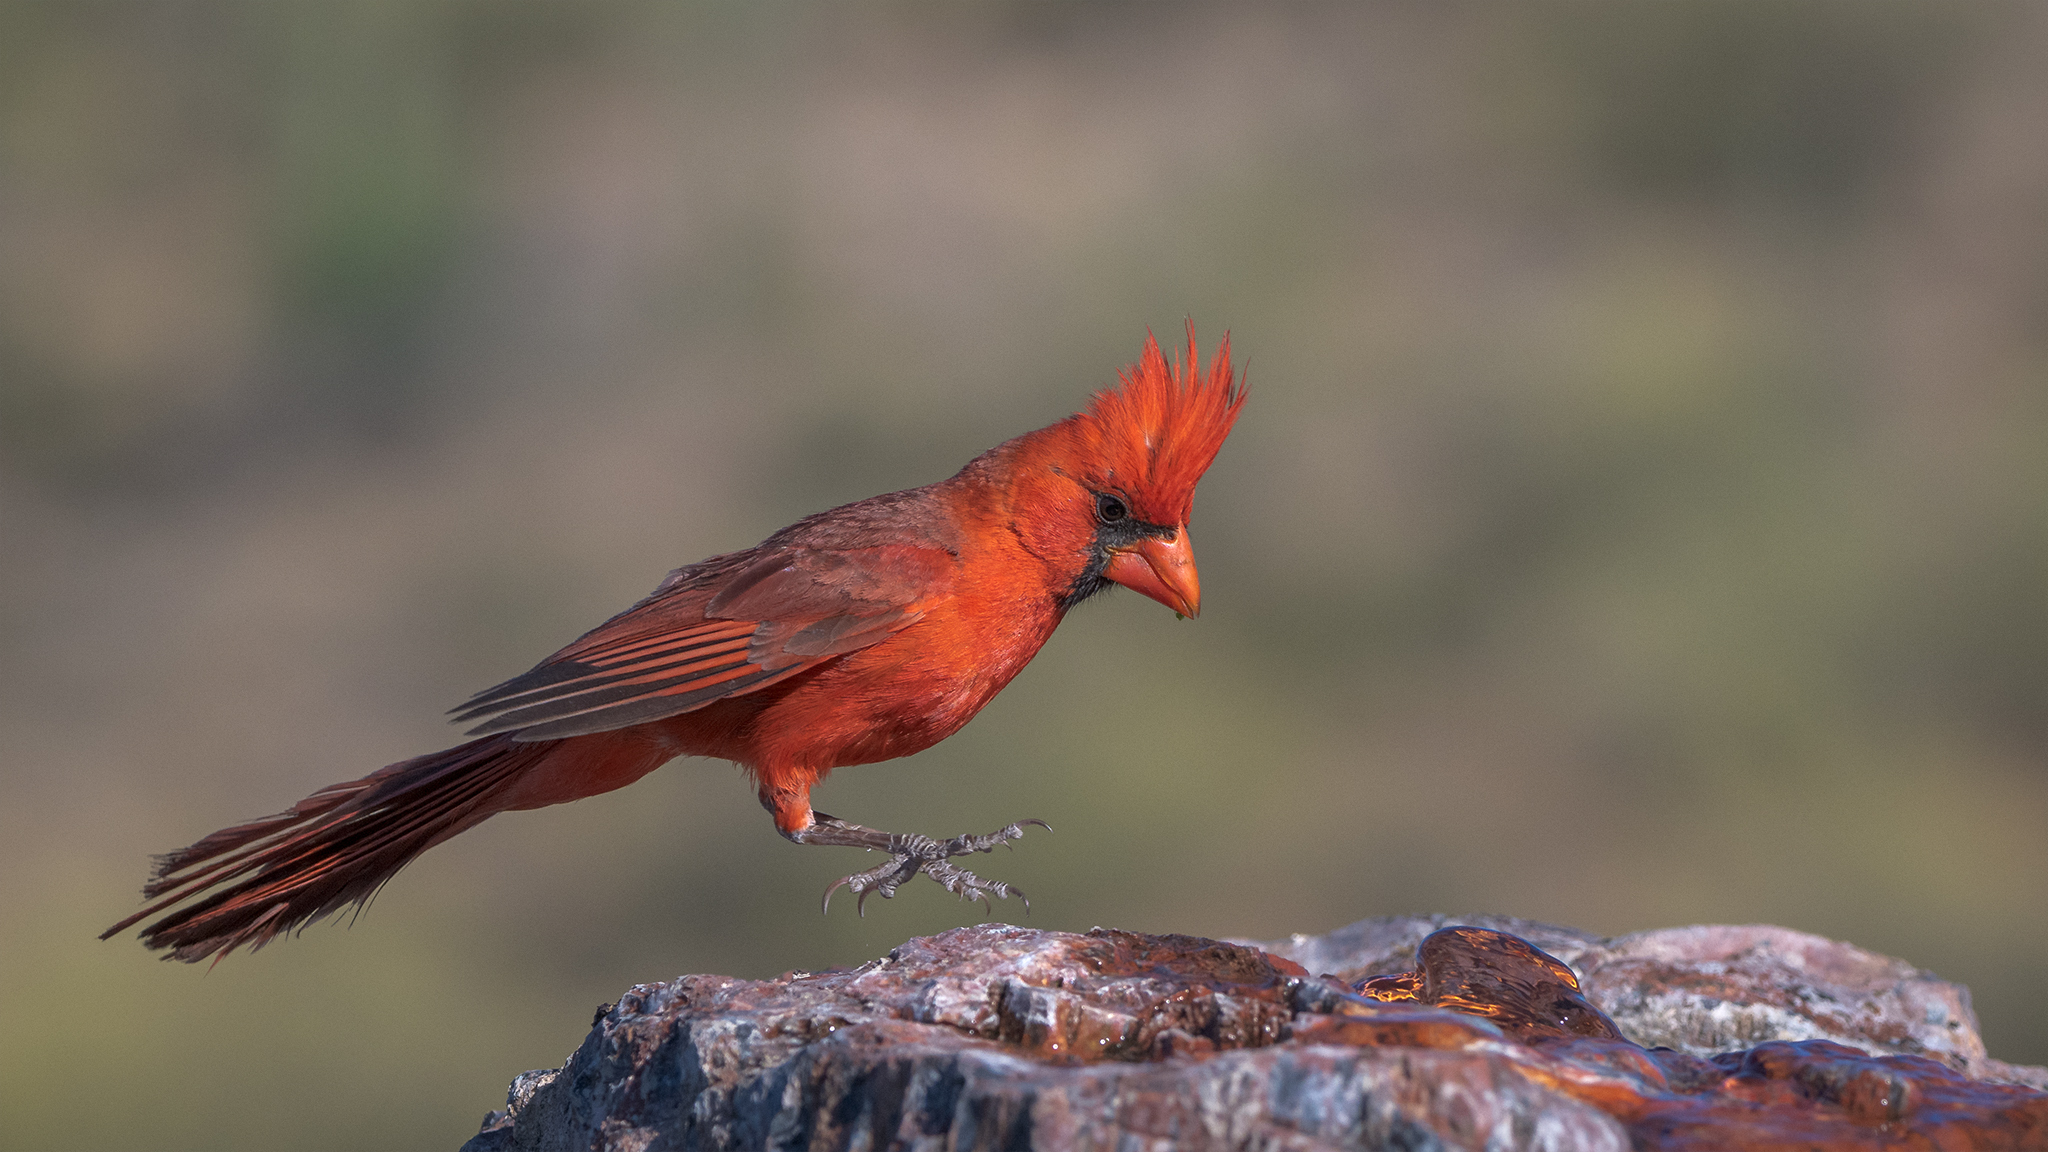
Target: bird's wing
(722, 628)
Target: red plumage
(861, 634)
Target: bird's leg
(909, 854)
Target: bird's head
(1111, 488)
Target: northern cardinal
(861, 634)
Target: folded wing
(723, 628)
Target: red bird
(861, 634)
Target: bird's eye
(1109, 509)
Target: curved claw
(826, 908)
(860, 904)
(1019, 826)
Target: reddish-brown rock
(1713, 988)
(1002, 1037)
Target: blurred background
(1640, 518)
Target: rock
(1714, 988)
(996, 1036)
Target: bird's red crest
(1152, 437)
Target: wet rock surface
(1417, 1033)
(1712, 988)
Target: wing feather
(748, 623)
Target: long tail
(335, 847)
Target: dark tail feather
(335, 847)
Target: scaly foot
(910, 854)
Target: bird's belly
(878, 704)
(874, 734)
(835, 729)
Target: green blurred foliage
(1641, 516)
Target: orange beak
(1161, 569)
